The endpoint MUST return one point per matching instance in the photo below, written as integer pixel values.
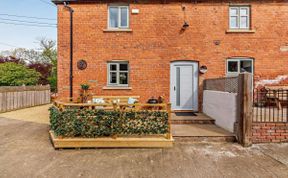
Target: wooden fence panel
(17, 97)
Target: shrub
(44, 69)
(12, 74)
(53, 83)
(97, 123)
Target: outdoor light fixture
(203, 69)
(185, 25)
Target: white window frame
(117, 73)
(238, 15)
(238, 60)
(119, 17)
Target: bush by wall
(98, 123)
(12, 74)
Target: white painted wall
(221, 106)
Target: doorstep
(201, 132)
(190, 118)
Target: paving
(38, 114)
(26, 151)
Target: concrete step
(201, 133)
(194, 118)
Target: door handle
(174, 88)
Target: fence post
(245, 93)
(169, 135)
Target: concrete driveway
(26, 151)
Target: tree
(10, 59)
(44, 70)
(49, 53)
(43, 60)
(25, 55)
(12, 74)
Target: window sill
(117, 30)
(116, 88)
(240, 31)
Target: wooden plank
(9, 103)
(126, 142)
(4, 102)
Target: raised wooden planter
(124, 142)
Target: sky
(19, 36)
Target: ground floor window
(118, 73)
(235, 66)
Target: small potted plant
(84, 92)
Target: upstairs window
(118, 17)
(118, 73)
(239, 17)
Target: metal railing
(270, 105)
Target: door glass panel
(178, 86)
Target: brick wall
(269, 132)
(156, 40)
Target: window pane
(113, 77)
(232, 66)
(123, 78)
(113, 17)
(124, 15)
(246, 66)
(244, 22)
(233, 11)
(123, 67)
(233, 22)
(244, 11)
(113, 67)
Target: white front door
(184, 85)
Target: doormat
(185, 114)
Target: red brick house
(155, 48)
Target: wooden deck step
(119, 142)
(201, 132)
(191, 118)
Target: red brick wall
(156, 40)
(269, 132)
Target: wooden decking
(195, 118)
(124, 142)
(198, 127)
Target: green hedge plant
(102, 123)
(12, 74)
